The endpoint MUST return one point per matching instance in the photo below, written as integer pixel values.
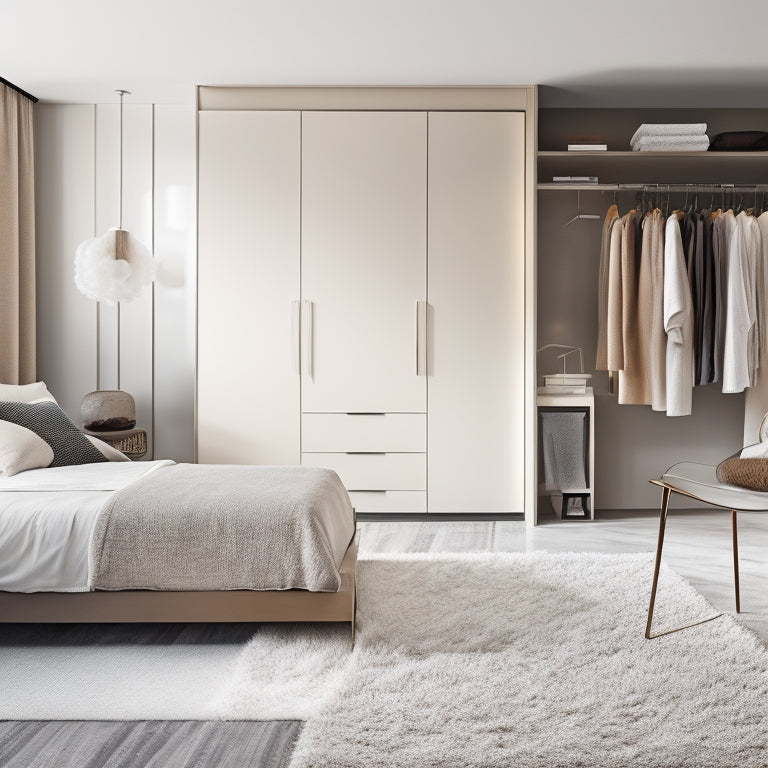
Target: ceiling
(591, 53)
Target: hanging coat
(634, 386)
(678, 322)
(601, 363)
(658, 341)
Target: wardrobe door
(476, 295)
(364, 177)
(248, 385)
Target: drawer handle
(367, 490)
(366, 453)
(366, 413)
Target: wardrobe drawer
(339, 432)
(392, 502)
(374, 471)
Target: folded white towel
(668, 129)
(672, 144)
(682, 138)
(669, 140)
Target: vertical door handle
(307, 327)
(296, 335)
(421, 338)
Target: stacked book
(670, 137)
(587, 147)
(587, 144)
(574, 179)
(565, 384)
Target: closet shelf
(652, 155)
(580, 187)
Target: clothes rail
(696, 187)
(653, 186)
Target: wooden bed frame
(140, 605)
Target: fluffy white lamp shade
(113, 267)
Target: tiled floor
(697, 546)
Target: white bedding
(47, 518)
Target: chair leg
(662, 523)
(736, 560)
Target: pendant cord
(120, 225)
(120, 173)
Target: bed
(156, 541)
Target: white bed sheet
(47, 518)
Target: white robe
(739, 357)
(678, 323)
(762, 288)
(658, 339)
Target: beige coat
(601, 363)
(635, 379)
(614, 335)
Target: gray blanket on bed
(212, 527)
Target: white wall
(77, 197)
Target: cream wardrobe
(362, 291)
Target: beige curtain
(17, 239)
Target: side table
(131, 442)
(575, 402)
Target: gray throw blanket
(213, 527)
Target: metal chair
(699, 481)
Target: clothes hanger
(685, 202)
(579, 214)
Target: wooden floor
(697, 547)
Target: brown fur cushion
(746, 473)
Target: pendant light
(115, 266)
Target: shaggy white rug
(462, 661)
(514, 660)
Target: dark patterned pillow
(69, 444)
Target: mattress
(47, 517)
(167, 526)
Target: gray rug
(153, 744)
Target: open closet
(633, 443)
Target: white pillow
(110, 453)
(26, 393)
(756, 451)
(21, 449)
